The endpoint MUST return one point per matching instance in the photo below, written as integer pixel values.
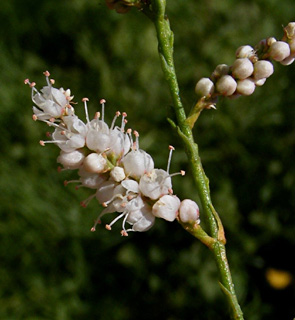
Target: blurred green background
(51, 265)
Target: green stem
(216, 242)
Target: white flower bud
(95, 163)
(290, 30)
(262, 69)
(242, 68)
(204, 87)
(188, 211)
(270, 41)
(245, 87)
(279, 50)
(259, 82)
(244, 52)
(226, 85)
(166, 207)
(289, 60)
(118, 174)
(220, 70)
(71, 160)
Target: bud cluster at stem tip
(109, 161)
(250, 69)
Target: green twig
(216, 242)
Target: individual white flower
(97, 138)
(166, 207)
(141, 220)
(155, 184)
(50, 102)
(71, 160)
(137, 162)
(90, 180)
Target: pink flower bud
(189, 211)
(226, 85)
(245, 87)
(279, 50)
(262, 69)
(242, 68)
(204, 87)
(166, 207)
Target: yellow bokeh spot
(278, 279)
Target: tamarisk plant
(122, 176)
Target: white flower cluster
(110, 162)
(250, 69)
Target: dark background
(51, 265)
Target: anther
(97, 115)
(42, 143)
(26, 81)
(108, 227)
(34, 117)
(32, 84)
(46, 73)
(52, 81)
(102, 101)
(124, 233)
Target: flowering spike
(108, 160)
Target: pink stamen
(85, 100)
